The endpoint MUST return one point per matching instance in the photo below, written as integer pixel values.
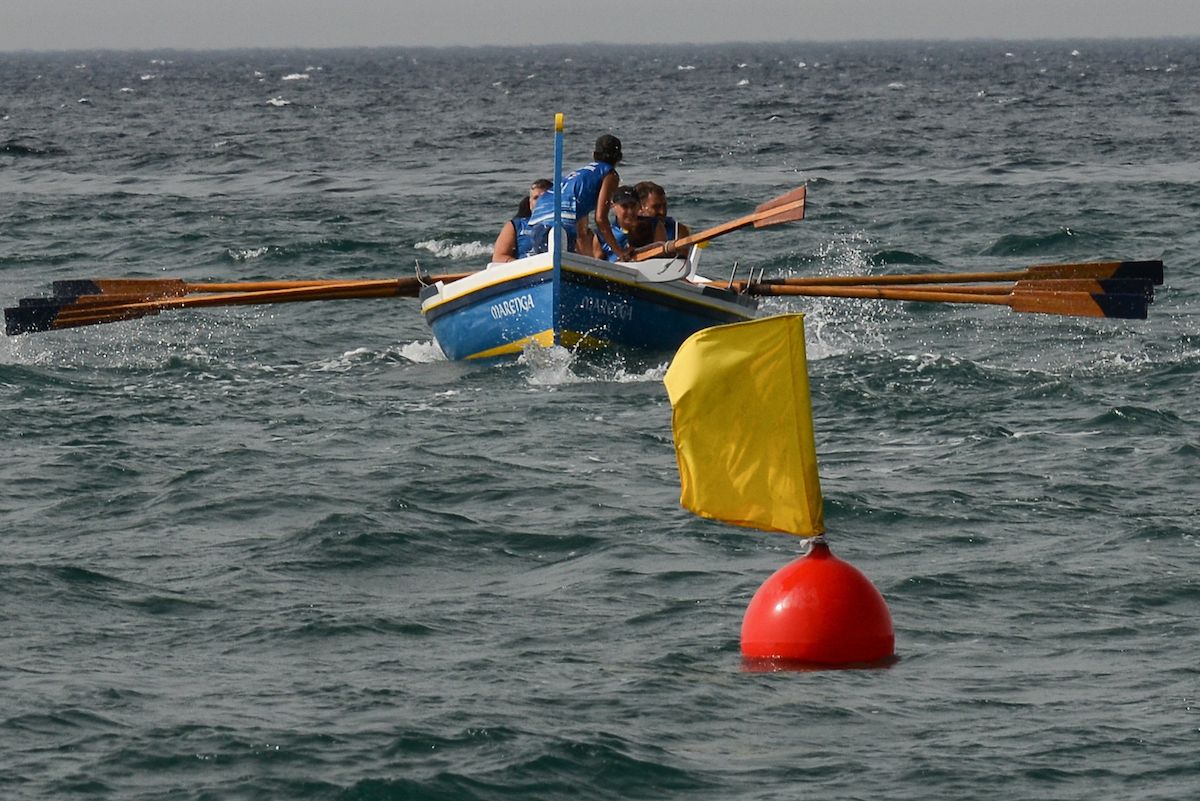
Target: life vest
(672, 226)
(524, 231)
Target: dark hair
(645, 189)
(541, 183)
(524, 209)
(608, 148)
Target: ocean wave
(885, 258)
(1062, 240)
(19, 148)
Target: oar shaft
(1125, 286)
(149, 288)
(873, 293)
(1080, 304)
(1128, 270)
(377, 289)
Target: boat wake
(559, 366)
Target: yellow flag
(742, 420)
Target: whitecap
(896, 85)
(743, 82)
(126, 90)
(296, 76)
(278, 102)
(149, 76)
(801, 64)
(246, 254)
(454, 250)
(345, 362)
(683, 67)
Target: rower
(515, 240)
(629, 228)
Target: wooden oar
(1135, 270)
(1114, 286)
(35, 318)
(1079, 304)
(1099, 285)
(150, 288)
(785, 208)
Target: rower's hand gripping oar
(785, 208)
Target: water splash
(444, 248)
(425, 352)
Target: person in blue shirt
(515, 240)
(587, 189)
(629, 228)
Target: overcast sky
(203, 24)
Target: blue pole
(559, 235)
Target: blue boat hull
(592, 304)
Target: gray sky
(146, 24)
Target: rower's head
(625, 207)
(537, 189)
(608, 149)
(653, 199)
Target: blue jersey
(580, 192)
(619, 235)
(524, 231)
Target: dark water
(289, 552)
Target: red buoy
(819, 610)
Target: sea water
(292, 552)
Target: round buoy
(820, 610)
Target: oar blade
(29, 319)
(797, 194)
(789, 213)
(1113, 286)
(147, 287)
(1082, 304)
(1145, 270)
